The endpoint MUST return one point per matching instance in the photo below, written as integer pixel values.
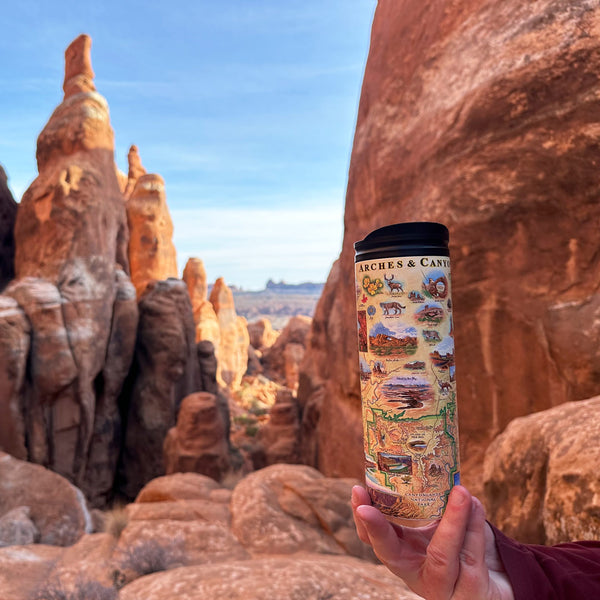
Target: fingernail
(458, 497)
(355, 493)
(359, 512)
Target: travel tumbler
(406, 362)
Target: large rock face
(71, 244)
(152, 255)
(480, 115)
(164, 371)
(8, 212)
(540, 478)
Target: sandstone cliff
(481, 115)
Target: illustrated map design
(406, 359)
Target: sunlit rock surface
(481, 115)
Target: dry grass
(115, 521)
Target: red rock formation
(57, 509)
(108, 432)
(198, 443)
(17, 528)
(22, 572)
(205, 318)
(165, 370)
(282, 364)
(305, 576)
(70, 232)
(183, 522)
(55, 418)
(152, 255)
(280, 436)
(301, 509)
(182, 497)
(232, 351)
(540, 479)
(179, 486)
(135, 171)
(8, 211)
(262, 334)
(15, 330)
(478, 115)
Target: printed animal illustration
(445, 387)
(389, 306)
(430, 335)
(395, 286)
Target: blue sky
(247, 108)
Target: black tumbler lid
(417, 237)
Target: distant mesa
(306, 287)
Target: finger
(385, 540)
(473, 578)
(360, 496)
(441, 568)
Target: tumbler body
(407, 373)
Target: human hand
(452, 559)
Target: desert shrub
(82, 590)
(150, 556)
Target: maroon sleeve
(562, 572)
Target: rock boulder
(198, 443)
(57, 509)
(284, 509)
(540, 478)
(303, 576)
